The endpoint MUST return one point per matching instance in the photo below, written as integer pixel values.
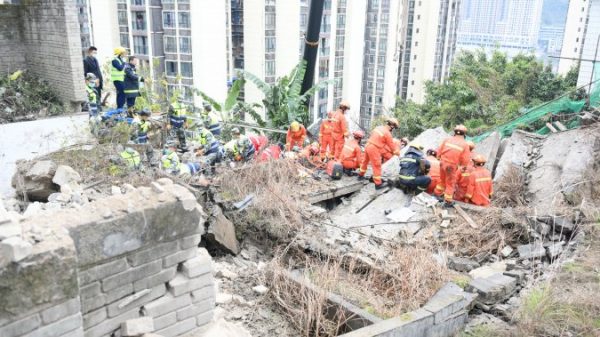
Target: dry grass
(510, 190)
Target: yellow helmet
(120, 51)
(393, 122)
(295, 126)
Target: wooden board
(551, 127)
(465, 216)
(560, 126)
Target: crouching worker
(142, 127)
(480, 188)
(128, 158)
(208, 146)
(172, 165)
(272, 152)
(414, 168)
(351, 155)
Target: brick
(95, 317)
(21, 326)
(68, 308)
(180, 256)
(204, 318)
(60, 328)
(90, 290)
(206, 305)
(190, 241)
(181, 284)
(164, 321)
(131, 275)
(199, 265)
(167, 304)
(137, 326)
(119, 293)
(15, 249)
(110, 325)
(93, 303)
(204, 293)
(102, 271)
(154, 253)
(134, 301)
(75, 333)
(179, 328)
(163, 277)
(189, 311)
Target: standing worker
(414, 168)
(117, 75)
(177, 121)
(434, 170)
(326, 137)
(211, 120)
(91, 65)
(453, 151)
(380, 137)
(142, 129)
(340, 128)
(352, 153)
(295, 137)
(480, 188)
(131, 84)
(462, 176)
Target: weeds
(510, 190)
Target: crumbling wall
(43, 37)
(116, 259)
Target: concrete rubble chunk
(221, 232)
(115, 190)
(489, 148)
(488, 270)
(462, 264)
(156, 187)
(10, 229)
(59, 198)
(137, 326)
(15, 249)
(260, 289)
(506, 251)
(493, 289)
(531, 251)
(199, 265)
(35, 181)
(66, 175)
(554, 249)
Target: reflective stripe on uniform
(483, 179)
(408, 160)
(455, 147)
(116, 74)
(466, 174)
(348, 148)
(407, 177)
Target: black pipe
(311, 43)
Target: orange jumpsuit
(295, 138)
(326, 138)
(351, 155)
(462, 182)
(434, 173)
(388, 154)
(453, 151)
(340, 131)
(480, 188)
(380, 137)
(259, 142)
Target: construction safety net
(564, 106)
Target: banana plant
(233, 109)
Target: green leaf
(233, 94)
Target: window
(303, 19)
(324, 68)
(122, 15)
(270, 68)
(168, 1)
(185, 45)
(184, 20)
(270, 20)
(326, 24)
(124, 39)
(381, 59)
(417, 30)
(139, 20)
(140, 45)
(171, 68)
(168, 19)
(322, 109)
(269, 44)
(186, 69)
(188, 93)
(138, 2)
(385, 17)
(380, 71)
(323, 93)
(341, 21)
(379, 86)
(339, 42)
(170, 44)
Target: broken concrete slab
(493, 289)
(488, 270)
(9, 229)
(15, 249)
(515, 152)
(462, 264)
(531, 251)
(489, 149)
(35, 181)
(66, 175)
(221, 232)
(554, 249)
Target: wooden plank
(560, 126)
(465, 216)
(551, 127)
(334, 192)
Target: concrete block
(151, 281)
(9, 229)
(21, 327)
(448, 328)
(179, 328)
(221, 232)
(60, 328)
(15, 249)
(119, 293)
(190, 241)
(164, 321)
(204, 318)
(68, 308)
(153, 253)
(131, 275)
(190, 311)
(102, 271)
(93, 303)
(181, 285)
(136, 300)
(207, 292)
(180, 256)
(137, 326)
(493, 289)
(531, 251)
(110, 325)
(90, 290)
(554, 250)
(462, 264)
(166, 304)
(199, 265)
(95, 317)
(414, 323)
(445, 306)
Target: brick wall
(12, 52)
(133, 255)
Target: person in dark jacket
(414, 167)
(131, 84)
(91, 66)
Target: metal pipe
(311, 43)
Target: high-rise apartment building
(512, 26)
(575, 33)
(589, 70)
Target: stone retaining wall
(119, 258)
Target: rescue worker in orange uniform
(462, 176)
(259, 142)
(380, 137)
(480, 189)
(340, 128)
(352, 153)
(272, 152)
(326, 137)
(434, 170)
(452, 153)
(389, 153)
(310, 152)
(295, 136)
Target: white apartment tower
(575, 29)
(429, 45)
(589, 69)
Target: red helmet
(314, 148)
(359, 134)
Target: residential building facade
(589, 70)
(574, 35)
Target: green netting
(562, 105)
